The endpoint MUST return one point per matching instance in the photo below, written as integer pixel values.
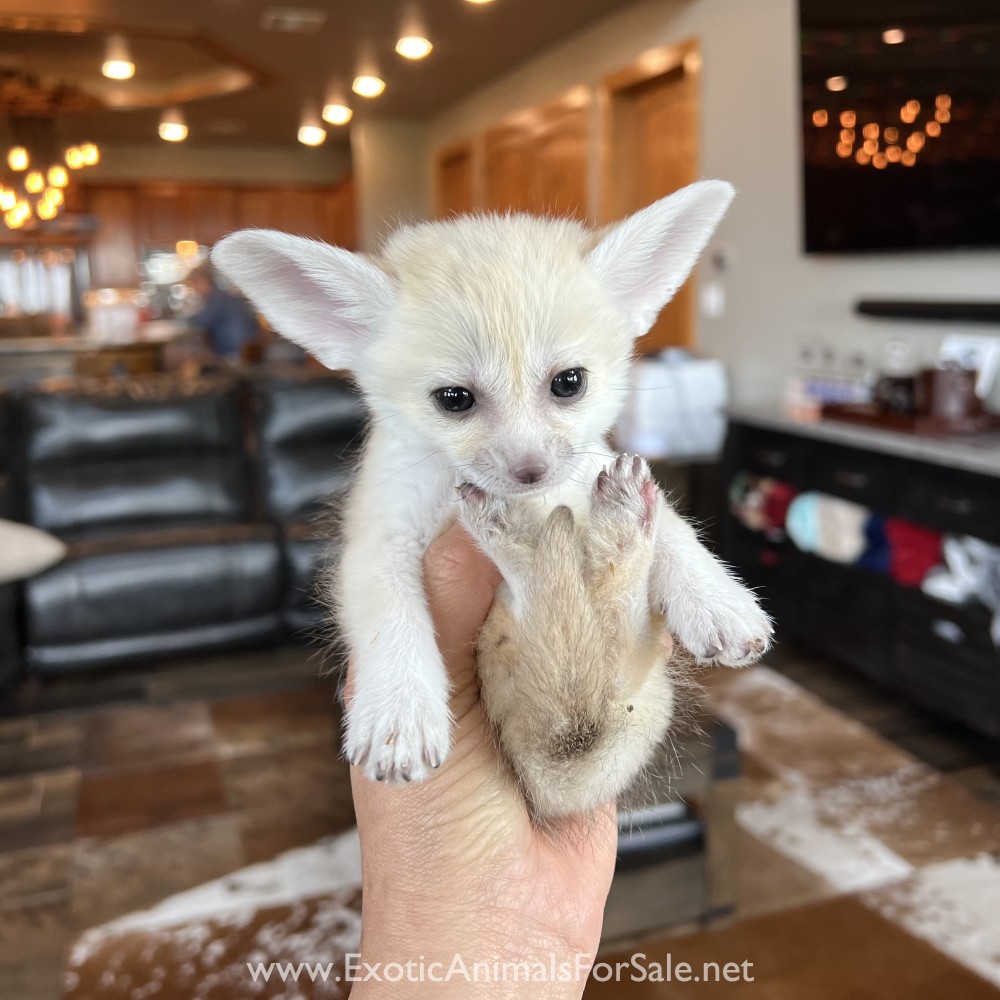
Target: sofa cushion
(153, 582)
(165, 489)
(85, 420)
(310, 550)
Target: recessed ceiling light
(337, 113)
(293, 20)
(479, 3)
(414, 47)
(836, 83)
(118, 64)
(173, 127)
(312, 135)
(367, 85)
(893, 36)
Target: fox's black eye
(569, 383)
(455, 399)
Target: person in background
(227, 319)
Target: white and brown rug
(865, 873)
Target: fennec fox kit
(493, 351)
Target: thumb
(460, 582)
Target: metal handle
(955, 505)
(850, 480)
(772, 457)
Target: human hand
(453, 866)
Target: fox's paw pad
(626, 490)
(397, 751)
(727, 627)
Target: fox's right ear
(329, 301)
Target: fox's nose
(530, 472)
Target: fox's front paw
(398, 746)
(723, 623)
(624, 497)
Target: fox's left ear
(645, 259)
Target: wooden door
(301, 212)
(114, 250)
(508, 160)
(652, 131)
(560, 155)
(455, 189)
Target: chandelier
(34, 170)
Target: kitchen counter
(973, 452)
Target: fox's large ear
(329, 301)
(645, 259)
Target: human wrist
(441, 946)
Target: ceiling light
(54, 195)
(8, 199)
(893, 36)
(74, 158)
(848, 119)
(47, 210)
(118, 63)
(479, 3)
(17, 158)
(368, 86)
(34, 182)
(836, 83)
(293, 20)
(414, 47)
(820, 118)
(173, 127)
(336, 113)
(312, 135)
(90, 153)
(58, 177)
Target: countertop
(156, 332)
(972, 453)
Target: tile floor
(870, 831)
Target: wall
(227, 164)
(777, 298)
(390, 176)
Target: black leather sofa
(189, 511)
(9, 623)
(309, 428)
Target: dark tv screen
(900, 124)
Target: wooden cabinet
(135, 218)
(114, 251)
(538, 163)
(935, 653)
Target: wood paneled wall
(134, 218)
(540, 159)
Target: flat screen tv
(900, 124)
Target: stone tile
(113, 876)
(39, 810)
(267, 832)
(829, 950)
(258, 723)
(36, 925)
(37, 978)
(35, 871)
(156, 735)
(287, 777)
(39, 743)
(116, 803)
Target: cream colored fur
(498, 304)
